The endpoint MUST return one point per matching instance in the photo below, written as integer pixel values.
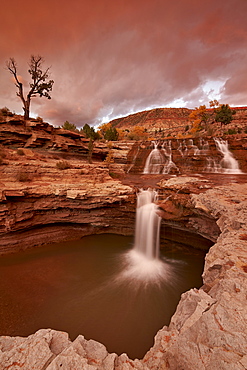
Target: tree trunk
(26, 109)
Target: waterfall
(228, 163)
(147, 224)
(154, 161)
(142, 264)
(169, 165)
(194, 149)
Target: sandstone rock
(208, 330)
(34, 352)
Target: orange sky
(110, 58)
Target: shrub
(20, 152)
(39, 119)
(5, 112)
(231, 131)
(63, 165)
(69, 126)
(114, 175)
(23, 176)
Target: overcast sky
(110, 58)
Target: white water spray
(228, 163)
(142, 265)
(169, 165)
(154, 161)
(147, 224)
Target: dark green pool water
(88, 287)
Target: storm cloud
(112, 58)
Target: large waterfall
(142, 262)
(147, 229)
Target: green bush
(69, 126)
(20, 152)
(231, 131)
(63, 165)
(114, 175)
(6, 112)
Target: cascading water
(169, 165)
(160, 159)
(228, 164)
(142, 262)
(147, 224)
(154, 161)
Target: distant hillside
(155, 119)
(170, 120)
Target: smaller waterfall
(228, 163)
(193, 148)
(154, 161)
(147, 224)
(169, 165)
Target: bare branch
(40, 85)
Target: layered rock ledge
(209, 327)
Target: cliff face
(40, 136)
(37, 198)
(209, 327)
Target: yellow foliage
(214, 103)
(103, 128)
(121, 134)
(109, 158)
(196, 126)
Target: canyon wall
(209, 328)
(46, 182)
(40, 203)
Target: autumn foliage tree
(108, 132)
(40, 84)
(199, 118)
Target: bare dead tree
(39, 85)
